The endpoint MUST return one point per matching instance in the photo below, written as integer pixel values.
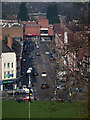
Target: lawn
(44, 109)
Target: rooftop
(43, 23)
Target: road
(40, 63)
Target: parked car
(27, 98)
(24, 60)
(37, 46)
(32, 57)
(38, 54)
(44, 86)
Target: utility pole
(29, 86)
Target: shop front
(10, 84)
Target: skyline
(44, 0)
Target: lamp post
(29, 86)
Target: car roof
(43, 72)
(44, 83)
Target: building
(11, 63)
(46, 31)
(8, 64)
(84, 60)
(14, 29)
(32, 30)
(63, 40)
(41, 30)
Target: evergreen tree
(52, 14)
(23, 15)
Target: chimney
(10, 41)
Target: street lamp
(29, 86)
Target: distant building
(42, 30)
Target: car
(27, 98)
(32, 57)
(37, 46)
(24, 60)
(43, 40)
(35, 43)
(44, 86)
(35, 73)
(43, 74)
(47, 53)
(38, 54)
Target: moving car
(47, 53)
(44, 86)
(43, 74)
(35, 73)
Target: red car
(27, 98)
(38, 54)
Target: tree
(52, 14)
(23, 15)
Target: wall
(9, 57)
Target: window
(12, 74)
(5, 75)
(8, 65)
(8, 74)
(12, 65)
(4, 65)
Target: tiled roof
(43, 23)
(73, 27)
(83, 52)
(32, 29)
(16, 47)
(14, 31)
(5, 47)
(87, 52)
(58, 29)
(50, 32)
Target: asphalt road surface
(41, 64)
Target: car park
(43, 74)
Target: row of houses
(73, 47)
(39, 29)
(10, 76)
(68, 46)
(12, 36)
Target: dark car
(35, 73)
(44, 86)
(32, 57)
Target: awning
(1, 83)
